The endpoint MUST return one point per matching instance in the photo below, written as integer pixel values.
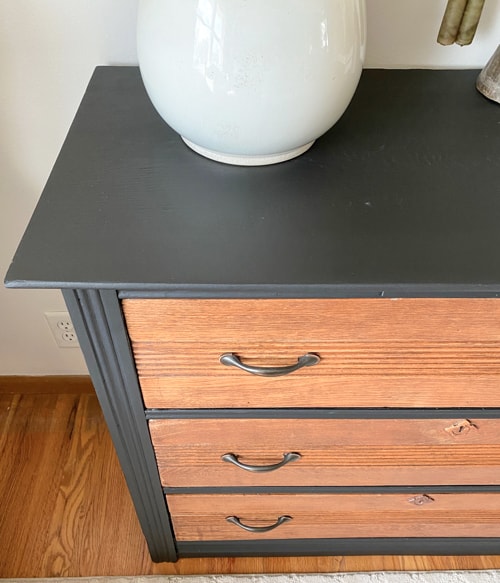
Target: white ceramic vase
(251, 82)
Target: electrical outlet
(62, 329)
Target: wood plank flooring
(65, 510)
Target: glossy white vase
(251, 82)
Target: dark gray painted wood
(366, 546)
(98, 322)
(401, 197)
(419, 489)
(299, 414)
(314, 291)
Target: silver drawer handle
(235, 520)
(287, 458)
(309, 359)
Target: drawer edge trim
(364, 413)
(365, 546)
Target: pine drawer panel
(374, 352)
(418, 514)
(304, 320)
(333, 452)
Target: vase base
(241, 160)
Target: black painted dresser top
(400, 197)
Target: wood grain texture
(348, 320)
(62, 495)
(374, 352)
(203, 517)
(334, 452)
(47, 384)
(31, 431)
(331, 391)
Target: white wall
(48, 49)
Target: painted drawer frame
(99, 322)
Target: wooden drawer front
(333, 452)
(420, 514)
(374, 352)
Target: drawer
(418, 514)
(373, 352)
(333, 452)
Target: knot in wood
(461, 427)
(421, 500)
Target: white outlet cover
(62, 329)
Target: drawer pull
(309, 359)
(258, 529)
(287, 458)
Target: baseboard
(43, 385)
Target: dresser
(295, 359)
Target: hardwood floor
(65, 510)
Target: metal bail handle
(309, 359)
(287, 458)
(258, 529)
